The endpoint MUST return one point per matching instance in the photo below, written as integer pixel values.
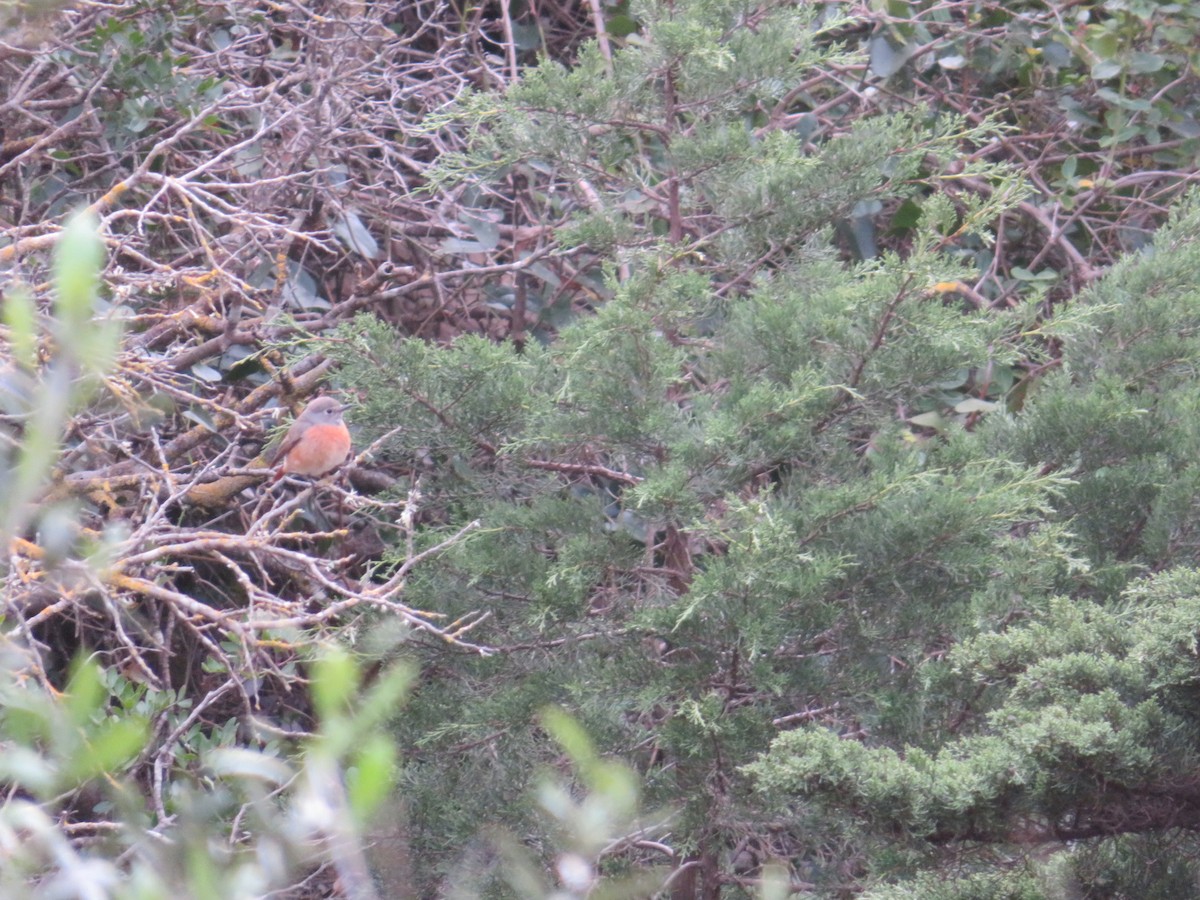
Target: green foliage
(45, 393)
(978, 886)
(708, 513)
(803, 482)
(725, 509)
(1120, 419)
(61, 745)
(1120, 71)
(609, 471)
(88, 742)
(86, 752)
(1094, 718)
(137, 58)
(672, 135)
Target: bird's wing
(290, 440)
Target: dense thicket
(799, 396)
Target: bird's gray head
(323, 410)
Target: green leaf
(372, 776)
(1057, 55)
(335, 680)
(202, 418)
(238, 762)
(20, 316)
(887, 57)
(85, 692)
(974, 404)
(350, 230)
(110, 747)
(569, 735)
(527, 35)
(1103, 41)
(78, 258)
(486, 231)
(620, 25)
(1045, 275)
(1144, 63)
(300, 290)
(459, 246)
(907, 215)
(206, 372)
(28, 768)
(933, 420)
(862, 228)
(775, 882)
(384, 696)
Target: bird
(318, 441)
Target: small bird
(318, 441)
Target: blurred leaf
(58, 532)
(206, 372)
(371, 776)
(335, 680)
(237, 762)
(1144, 63)
(350, 230)
(620, 25)
(929, 420)
(85, 692)
(526, 35)
(460, 246)
(486, 231)
(907, 215)
(109, 747)
(98, 346)
(300, 289)
(862, 228)
(200, 416)
(78, 258)
(887, 57)
(569, 735)
(615, 787)
(17, 390)
(28, 716)
(1057, 55)
(385, 695)
(973, 404)
(20, 315)
(1106, 69)
(20, 765)
(776, 883)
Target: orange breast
(321, 449)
